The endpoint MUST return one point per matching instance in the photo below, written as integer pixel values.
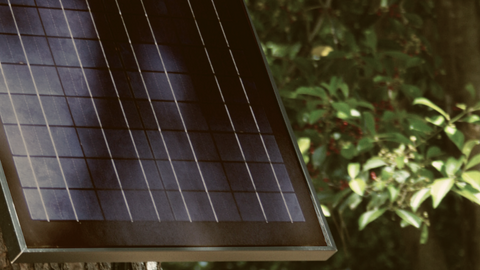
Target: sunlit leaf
(455, 135)
(353, 170)
(470, 193)
(303, 144)
(409, 217)
(358, 186)
(473, 162)
(467, 148)
(428, 103)
(312, 91)
(473, 178)
(393, 192)
(439, 189)
(418, 198)
(369, 216)
(373, 163)
(472, 119)
(452, 166)
(325, 210)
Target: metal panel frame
(19, 252)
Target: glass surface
(138, 111)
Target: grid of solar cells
(140, 110)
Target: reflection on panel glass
(138, 110)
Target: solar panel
(146, 124)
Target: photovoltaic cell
(137, 111)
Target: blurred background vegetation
(382, 95)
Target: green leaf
(325, 210)
(312, 91)
(472, 119)
(419, 125)
(369, 122)
(424, 234)
(358, 186)
(369, 216)
(411, 91)
(452, 166)
(353, 170)
(414, 19)
(348, 151)
(365, 144)
(418, 198)
(337, 198)
(455, 135)
(401, 176)
(428, 103)
(396, 137)
(470, 193)
(437, 120)
(303, 144)
(471, 90)
(319, 156)
(473, 178)
(409, 217)
(439, 165)
(434, 151)
(468, 147)
(439, 189)
(473, 162)
(371, 39)
(374, 162)
(393, 192)
(343, 110)
(344, 88)
(400, 161)
(315, 116)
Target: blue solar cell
(137, 26)
(199, 206)
(186, 172)
(93, 142)
(264, 177)
(262, 119)
(73, 82)
(183, 87)
(36, 138)
(83, 112)
(272, 147)
(168, 115)
(134, 175)
(86, 205)
(103, 174)
(28, 21)
(120, 143)
(47, 81)
(239, 177)
(142, 205)
(294, 207)
(76, 173)
(173, 58)
(35, 204)
(232, 89)
(157, 87)
(249, 207)
(54, 22)
(156, 144)
(225, 206)
(253, 147)
(114, 205)
(11, 49)
(66, 141)
(64, 52)
(27, 110)
(81, 25)
(163, 29)
(7, 24)
(56, 110)
(214, 176)
(203, 146)
(148, 57)
(275, 207)
(192, 116)
(90, 53)
(242, 117)
(37, 50)
(58, 204)
(178, 145)
(227, 146)
(163, 205)
(178, 205)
